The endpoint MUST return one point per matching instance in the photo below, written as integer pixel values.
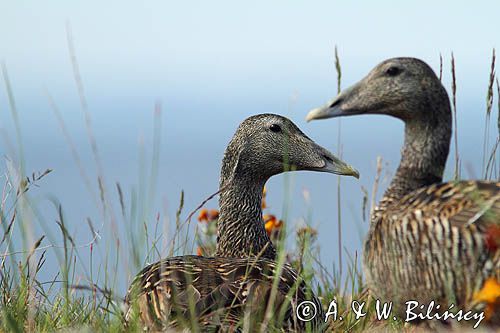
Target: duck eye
(275, 128)
(393, 71)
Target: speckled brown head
(405, 88)
(267, 144)
(408, 89)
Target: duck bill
(339, 167)
(325, 112)
(333, 164)
(336, 107)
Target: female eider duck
(234, 288)
(428, 240)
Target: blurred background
(204, 67)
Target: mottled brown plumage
(235, 288)
(427, 240)
(215, 293)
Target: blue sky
(212, 64)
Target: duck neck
(240, 230)
(423, 157)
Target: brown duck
(428, 240)
(235, 289)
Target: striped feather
(431, 245)
(215, 293)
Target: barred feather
(432, 244)
(211, 293)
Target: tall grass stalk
(498, 119)
(454, 108)
(488, 158)
(106, 208)
(338, 70)
(74, 151)
(440, 67)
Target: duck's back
(439, 243)
(192, 290)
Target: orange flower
(203, 216)
(199, 251)
(208, 215)
(489, 294)
(269, 227)
(272, 223)
(213, 215)
(268, 217)
(264, 191)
